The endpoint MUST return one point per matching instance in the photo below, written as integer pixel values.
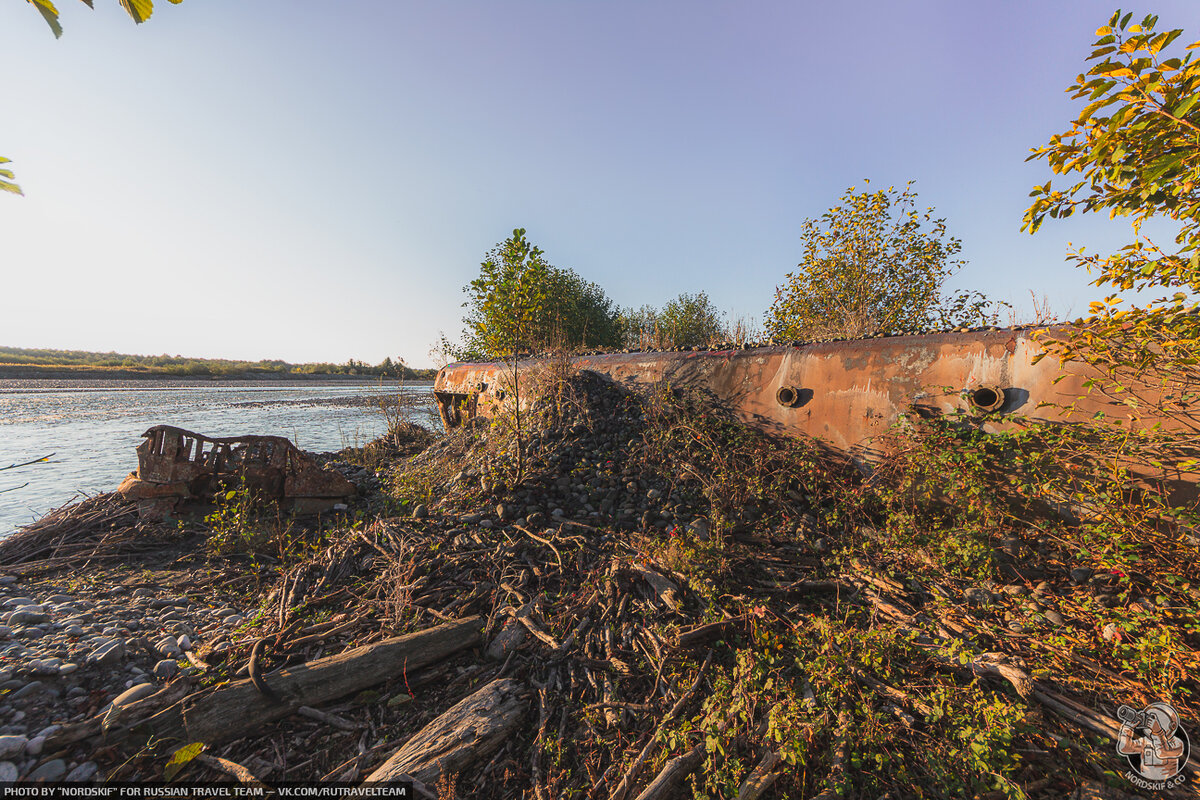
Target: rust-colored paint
(845, 393)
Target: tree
(639, 327)
(139, 10)
(520, 303)
(871, 266)
(1136, 149)
(690, 320)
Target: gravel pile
(69, 650)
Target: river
(93, 426)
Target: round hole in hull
(788, 396)
(986, 398)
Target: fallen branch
(668, 780)
(231, 768)
(468, 731)
(626, 783)
(761, 777)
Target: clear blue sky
(318, 180)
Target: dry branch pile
(100, 528)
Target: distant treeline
(200, 367)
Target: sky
(318, 181)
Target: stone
(9, 772)
(1055, 618)
(51, 772)
(12, 746)
(26, 617)
(1081, 574)
(699, 528)
(35, 745)
(84, 772)
(29, 689)
(108, 654)
(166, 669)
(977, 596)
(184, 642)
(133, 694)
(421, 511)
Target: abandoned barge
(844, 393)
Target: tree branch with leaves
(1134, 151)
(138, 10)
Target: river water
(92, 427)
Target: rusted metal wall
(845, 393)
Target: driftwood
(230, 711)
(468, 731)
(231, 768)
(665, 589)
(761, 777)
(668, 780)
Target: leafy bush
(871, 266)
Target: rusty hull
(176, 464)
(844, 393)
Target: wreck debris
(176, 464)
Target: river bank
(55, 372)
(637, 596)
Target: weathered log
(227, 712)
(761, 777)
(468, 731)
(678, 768)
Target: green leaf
(50, 14)
(140, 10)
(1184, 106)
(7, 185)
(181, 758)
